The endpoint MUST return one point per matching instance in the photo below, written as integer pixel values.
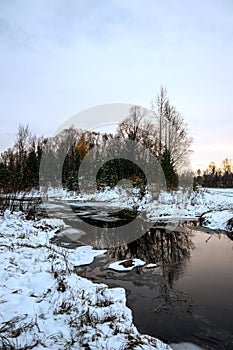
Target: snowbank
(182, 204)
(45, 304)
(172, 205)
(218, 220)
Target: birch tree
(173, 136)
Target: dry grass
(10, 331)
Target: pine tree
(169, 171)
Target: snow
(173, 206)
(119, 265)
(218, 220)
(184, 205)
(45, 304)
(151, 265)
(130, 264)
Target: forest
(164, 135)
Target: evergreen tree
(169, 171)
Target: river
(188, 297)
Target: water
(188, 297)
(208, 277)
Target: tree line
(161, 131)
(214, 176)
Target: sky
(60, 57)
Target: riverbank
(45, 304)
(173, 206)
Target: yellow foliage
(135, 179)
(82, 147)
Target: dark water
(188, 297)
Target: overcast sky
(58, 58)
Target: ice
(151, 265)
(122, 265)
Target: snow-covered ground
(45, 304)
(173, 206)
(185, 205)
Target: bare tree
(159, 107)
(131, 126)
(173, 134)
(22, 143)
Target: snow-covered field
(45, 304)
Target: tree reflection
(108, 230)
(169, 246)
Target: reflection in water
(170, 248)
(191, 300)
(187, 298)
(230, 235)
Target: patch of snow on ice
(126, 265)
(151, 265)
